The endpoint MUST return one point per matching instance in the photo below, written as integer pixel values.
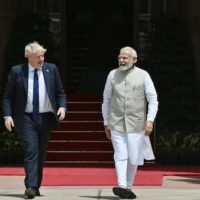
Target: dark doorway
(95, 31)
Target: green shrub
(178, 148)
(11, 150)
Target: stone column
(7, 14)
(193, 9)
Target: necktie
(35, 114)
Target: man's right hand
(107, 132)
(9, 123)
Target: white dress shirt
(150, 93)
(44, 102)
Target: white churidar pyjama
(130, 150)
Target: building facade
(83, 36)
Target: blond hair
(33, 48)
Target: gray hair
(130, 50)
(32, 48)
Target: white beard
(125, 67)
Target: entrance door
(95, 31)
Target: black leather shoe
(121, 192)
(30, 193)
(130, 193)
(124, 193)
(37, 192)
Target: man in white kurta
(129, 109)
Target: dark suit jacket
(15, 96)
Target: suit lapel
(25, 76)
(46, 74)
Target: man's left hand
(61, 113)
(148, 127)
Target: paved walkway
(173, 188)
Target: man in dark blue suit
(34, 101)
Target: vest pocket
(138, 92)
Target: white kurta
(133, 145)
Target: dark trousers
(35, 137)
